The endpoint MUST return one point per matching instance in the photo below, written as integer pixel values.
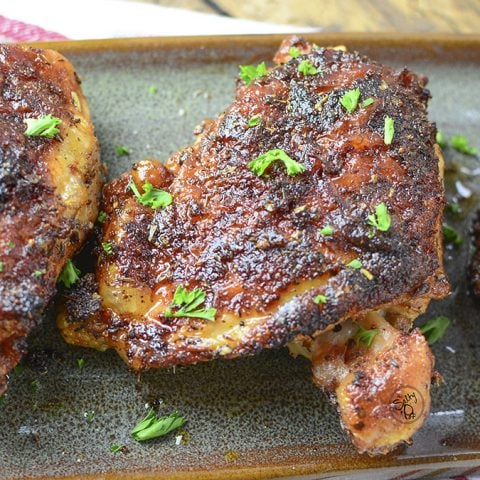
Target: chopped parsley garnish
(38, 273)
(116, 448)
(435, 328)
(320, 299)
(3, 399)
(70, 274)
(454, 208)
(262, 162)
(368, 101)
(152, 89)
(294, 52)
(80, 363)
(350, 99)
(187, 304)
(102, 216)
(389, 130)
(35, 384)
(18, 369)
(249, 73)
(441, 140)
(152, 197)
(356, 264)
(451, 235)
(381, 219)
(89, 416)
(307, 68)
(254, 121)
(44, 126)
(461, 144)
(153, 427)
(107, 246)
(121, 150)
(365, 336)
(326, 231)
(11, 244)
(2, 266)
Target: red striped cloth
(16, 31)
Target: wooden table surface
(439, 16)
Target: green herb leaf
(11, 244)
(435, 328)
(320, 299)
(389, 130)
(441, 140)
(102, 216)
(307, 68)
(18, 369)
(326, 231)
(3, 399)
(121, 150)
(381, 219)
(80, 363)
(35, 384)
(368, 101)
(38, 273)
(454, 208)
(365, 336)
(249, 73)
(188, 305)
(451, 235)
(350, 99)
(356, 264)
(262, 162)
(461, 144)
(116, 448)
(90, 415)
(152, 197)
(254, 121)
(153, 427)
(294, 52)
(44, 126)
(107, 246)
(70, 274)
(2, 266)
(152, 89)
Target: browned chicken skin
(251, 243)
(49, 188)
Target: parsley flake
(44, 126)
(11, 244)
(107, 246)
(70, 274)
(35, 384)
(152, 89)
(116, 448)
(320, 299)
(2, 266)
(435, 328)
(254, 121)
(381, 219)
(153, 427)
(121, 150)
(356, 264)
(451, 235)
(461, 144)
(89, 416)
(441, 140)
(249, 73)
(368, 101)
(326, 231)
(365, 336)
(262, 162)
(350, 100)
(294, 52)
(102, 216)
(80, 363)
(307, 68)
(188, 304)
(152, 197)
(38, 273)
(389, 130)
(454, 208)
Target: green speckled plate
(255, 417)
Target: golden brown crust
(253, 244)
(49, 188)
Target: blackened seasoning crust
(252, 244)
(49, 188)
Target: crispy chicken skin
(253, 245)
(49, 188)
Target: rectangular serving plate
(258, 417)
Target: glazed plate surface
(258, 417)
